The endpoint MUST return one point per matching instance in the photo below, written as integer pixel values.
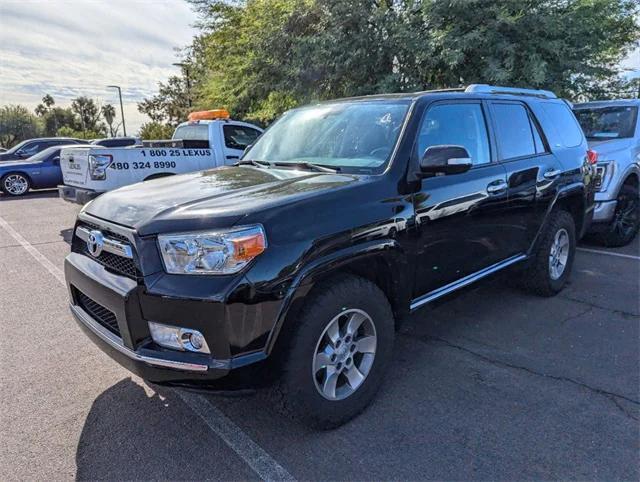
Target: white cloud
(68, 48)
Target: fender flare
(322, 267)
(573, 189)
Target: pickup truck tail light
(592, 157)
(98, 165)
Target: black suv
(294, 265)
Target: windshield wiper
(253, 162)
(309, 165)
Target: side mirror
(56, 161)
(445, 160)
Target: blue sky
(69, 48)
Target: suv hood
(209, 199)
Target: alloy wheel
(16, 184)
(559, 254)
(626, 216)
(344, 354)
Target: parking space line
(40, 258)
(265, 466)
(252, 454)
(609, 253)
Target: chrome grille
(112, 262)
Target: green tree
(67, 131)
(16, 125)
(89, 115)
(109, 114)
(257, 57)
(170, 105)
(46, 105)
(58, 117)
(155, 130)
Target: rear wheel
(552, 261)
(338, 353)
(15, 184)
(626, 220)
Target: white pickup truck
(209, 139)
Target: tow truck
(207, 140)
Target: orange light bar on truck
(209, 115)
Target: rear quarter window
(565, 122)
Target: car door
(458, 216)
(533, 172)
(51, 171)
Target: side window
(31, 149)
(239, 137)
(514, 131)
(565, 122)
(456, 124)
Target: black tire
(295, 392)
(538, 277)
(626, 220)
(10, 190)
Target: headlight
(217, 252)
(98, 165)
(604, 173)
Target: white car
(209, 139)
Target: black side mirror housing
(445, 159)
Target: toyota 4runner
(343, 217)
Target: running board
(467, 280)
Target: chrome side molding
(467, 280)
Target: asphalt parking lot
(492, 384)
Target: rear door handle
(551, 173)
(497, 186)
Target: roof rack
(496, 89)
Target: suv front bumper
(76, 195)
(130, 344)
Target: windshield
(192, 132)
(359, 136)
(608, 122)
(16, 147)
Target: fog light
(177, 338)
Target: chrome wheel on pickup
(15, 184)
(344, 354)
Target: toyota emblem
(95, 243)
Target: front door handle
(496, 186)
(551, 173)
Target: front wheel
(626, 219)
(552, 261)
(15, 184)
(338, 353)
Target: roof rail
(496, 89)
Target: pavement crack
(614, 397)
(573, 317)
(600, 307)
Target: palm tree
(109, 114)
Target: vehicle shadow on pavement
(132, 433)
(45, 193)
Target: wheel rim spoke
(333, 332)
(355, 320)
(322, 360)
(366, 344)
(330, 383)
(354, 377)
